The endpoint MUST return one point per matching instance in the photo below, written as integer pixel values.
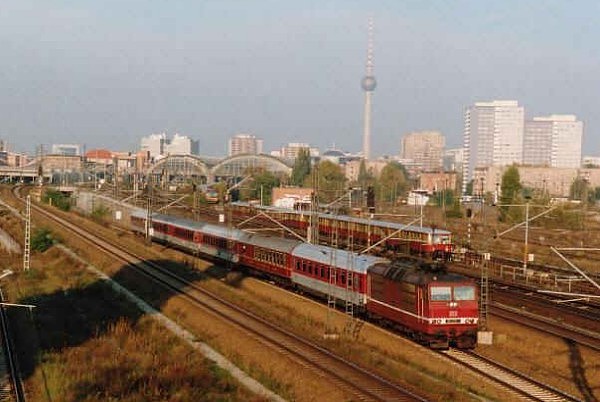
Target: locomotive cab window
(464, 293)
(441, 293)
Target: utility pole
(484, 292)
(148, 228)
(526, 254)
(27, 251)
(313, 229)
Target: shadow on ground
(578, 372)
(70, 317)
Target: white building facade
(292, 149)
(453, 159)
(553, 141)
(181, 145)
(493, 136)
(154, 144)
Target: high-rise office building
(453, 159)
(154, 144)
(493, 136)
(553, 141)
(181, 145)
(425, 148)
(245, 144)
(292, 149)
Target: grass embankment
(83, 342)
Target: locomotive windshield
(444, 293)
(441, 293)
(464, 293)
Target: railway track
(363, 384)
(10, 383)
(521, 385)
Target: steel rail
(508, 378)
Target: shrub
(41, 240)
(99, 213)
(58, 199)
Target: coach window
(297, 265)
(440, 293)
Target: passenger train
(435, 308)
(394, 236)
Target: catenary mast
(368, 84)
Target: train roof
(353, 219)
(340, 258)
(417, 271)
(270, 242)
(222, 231)
(205, 228)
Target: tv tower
(368, 84)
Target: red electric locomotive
(424, 301)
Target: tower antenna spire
(370, 48)
(368, 84)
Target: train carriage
(220, 242)
(312, 265)
(267, 254)
(197, 237)
(396, 236)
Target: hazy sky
(105, 73)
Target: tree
(392, 181)
(444, 197)
(579, 189)
(469, 189)
(301, 169)
(510, 189)
(595, 194)
(263, 183)
(332, 181)
(365, 178)
(511, 185)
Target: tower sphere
(368, 83)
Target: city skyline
(107, 75)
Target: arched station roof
(238, 165)
(181, 166)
